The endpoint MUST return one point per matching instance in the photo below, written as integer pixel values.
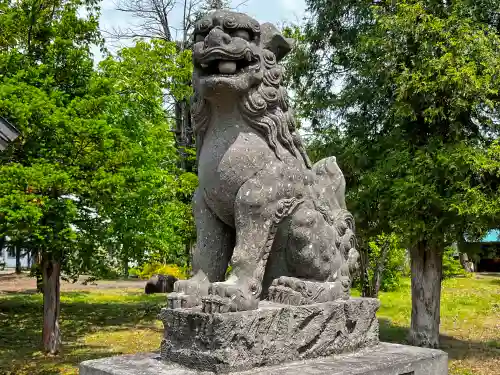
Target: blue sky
(275, 11)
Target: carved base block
(273, 334)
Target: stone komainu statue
(261, 207)
(282, 225)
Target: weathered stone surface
(383, 359)
(261, 205)
(274, 333)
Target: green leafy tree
(383, 265)
(93, 166)
(45, 68)
(406, 94)
(151, 220)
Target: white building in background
(8, 258)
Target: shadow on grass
(457, 349)
(21, 325)
(494, 281)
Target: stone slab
(383, 359)
(274, 333)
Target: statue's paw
(284, 295)
(188, 293)
(192, 287)
(293, 291)
(215, 304)
(182, 300)
(326, 291)
(228, 297)
(293, 283)
(288, 291)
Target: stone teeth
(227, 67)
(204, 66)
(248, 56)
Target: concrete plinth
(383, 359)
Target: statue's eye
(199, 38)
(243, 34)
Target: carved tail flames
(330, 202)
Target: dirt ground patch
(10, 282)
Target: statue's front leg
(254, 213)
(214, 246)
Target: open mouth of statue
(218, 64)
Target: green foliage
(45, 81)
(228, 271)
(383, 261)
(451, 265)
(406, 95)
(92, 181)
(413, 113)
(149, 204)
(394, 266)
(150, 269)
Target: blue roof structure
(492, 236)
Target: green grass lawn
(470, 322)
(106, 322)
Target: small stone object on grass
(160, 284)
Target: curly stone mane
(265, 108)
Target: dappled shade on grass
(93, 324)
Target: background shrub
(150, 269)
(451, 265)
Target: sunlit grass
(470, 322)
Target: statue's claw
(182, 301)
(188, 293)
(228, 297)
(215, 304)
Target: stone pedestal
(273, 334)
(383, 359)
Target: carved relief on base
(274, 333)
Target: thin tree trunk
(51, 334)
(18, 259)
(125, 267)
(38, 271)
(364, 278)
(426, 271)
(379, 270)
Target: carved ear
(273, 40)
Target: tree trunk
(18, 259)
(426, 271)
(38, 271)
(125, 268)
(51, 335)
(364, 277)
(379, 270)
